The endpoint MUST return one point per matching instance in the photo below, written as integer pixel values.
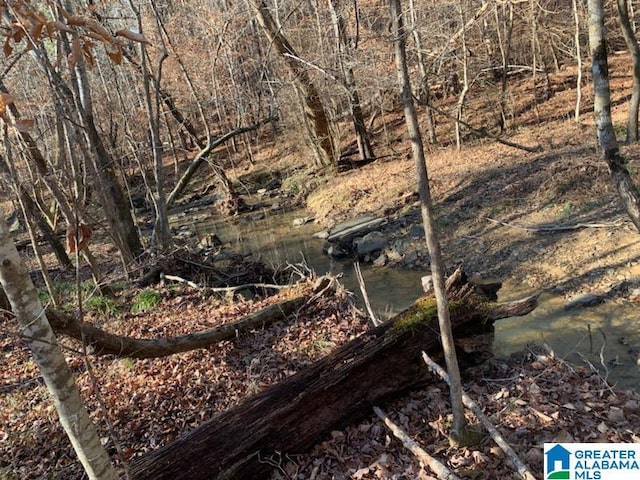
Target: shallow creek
(606, 334)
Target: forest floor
(492, 202)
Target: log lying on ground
(101, 342)
(338, 389)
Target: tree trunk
(204, 153)
(336, 390)
(459, 427)
(37, 332)
(314, 109)
(102, 342)
(424, 90)
(362, 134)
(576, 37)
(627, 191)
(114, 203)
(634, 48)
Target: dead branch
(102, 342)
(555, 228)
(365, 296)
(434, 464)
(480, 132)
(523, 470)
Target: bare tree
(634, 48)
(459, 427)
(627, 190)
(315, 113)
(37, 332)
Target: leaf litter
(532, 399)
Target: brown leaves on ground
(151, 402)
(534, 400)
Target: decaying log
(101, 342)
(338, 389)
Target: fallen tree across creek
(338, 389)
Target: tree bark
(459, 427)
(314, 108)
(343, 52)
(204, 153)
(634, 48)
(102, 342)
(37, 332)
(338, 389)
(627, 191)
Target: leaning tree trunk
(336, 390)
(313, 106)
(634, 48)
(627, 191)
(37, 332)
(343, 52)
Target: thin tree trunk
(459, 427)
(465, 85)
(37, 332)
(627, 191)
(161, 231)
(634, 48)
(424, 90)
(576, 39)
(504, 43)
(343, 51)
(314, 108)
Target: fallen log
(338, 389)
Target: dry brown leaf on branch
(24, 125)
(133, 36)
(5, 100)
(57, 25)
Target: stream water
(606, 336)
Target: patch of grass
(146, 300)
(128, 363)
(620, 131)
(102, 305)
(567, 209)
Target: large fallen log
(338, 389)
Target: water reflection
(578, 335)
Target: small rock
(302, 220)
(410, 258)
(583, 300)
(427, 283)
(334, 251)
(371, 242)
(416, 231)
(381, 261)
(323, 234)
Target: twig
(523, 470)
(175, 278)
(434, 464)
(555, 228)
(480, 132)
(375, 321)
